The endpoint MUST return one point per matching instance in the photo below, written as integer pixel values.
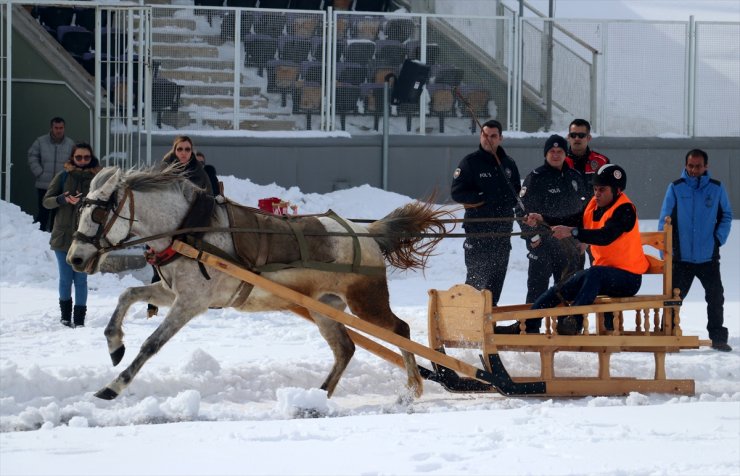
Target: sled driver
(610, 225)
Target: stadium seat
(399, 29)
(269, 23)
(259, 49)
(351, 73)
(477, 98)
(366, 27)
(228, 25)
(358, 51)
(54, 17)
(165, 97)
(75, 39)
(413, 51)
(346, 101)
(304, 26)
(389, 53)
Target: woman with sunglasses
(64, 194)
(183, 152)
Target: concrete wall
(419, 166)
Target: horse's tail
(399, 230)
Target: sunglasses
(83, 157)
(580, 135)
(183, 149)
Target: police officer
(580, 157)
(553, 189)
(487, 183)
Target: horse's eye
(98, 215)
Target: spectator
(487, 183)
(580, 157)
(609, 223)
(210, 171)
(65, 191)
(702, 216)
(46, 158)
(554, 189)
(184, 152)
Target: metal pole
(237, 66)
(8, 94)
(386, 119)
(548, 74)
(691, 80)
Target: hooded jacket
(72, 179)
(46, 158)
(701, 215)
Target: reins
(206, 229)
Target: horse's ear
(110, 185)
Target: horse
(152, 204)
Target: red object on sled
(273, 205)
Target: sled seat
(464, 317)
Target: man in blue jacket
(701, 215)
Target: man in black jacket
(557, 190)
(487, 183)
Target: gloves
(61, 199)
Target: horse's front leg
(154, 293)
(179, 315)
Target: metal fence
(222, 68)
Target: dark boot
(151, 310)
(569, 326)
(66, 307)
(79, 315)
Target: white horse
(146, 203)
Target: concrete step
(207, 76)
(185, 37)
(222, 102)
(171, 22)
(200, 50)
(220, 90)
(196, 62)
(252, 124)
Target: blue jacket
(701, 216)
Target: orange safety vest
(626, 251)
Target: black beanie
(555, 141)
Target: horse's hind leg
(339, 341)
(369, 300)
(173, 322)
(154, 293)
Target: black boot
(79, 315)
(66, 307)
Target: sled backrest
(456, 316)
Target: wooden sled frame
(464, 317)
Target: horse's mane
(155, 178)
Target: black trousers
(551, 259)
(44, 215)
(583, 287)
(486, 261)
(714, 294)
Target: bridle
(101, 216)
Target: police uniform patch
(594, 165)
(617, 174)
(456, 174)
(523, 192)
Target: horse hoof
(106, 394)
(117, 355)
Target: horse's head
(98, 226)
(108, 215)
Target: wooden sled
(463, 317)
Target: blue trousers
(67, 276)
(583, 287)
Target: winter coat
(479, 178)
(194, 171)
(46, 158)
(587, 165)
(72, 179)
(701, 215)
(549, 191)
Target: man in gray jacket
(47, 155)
